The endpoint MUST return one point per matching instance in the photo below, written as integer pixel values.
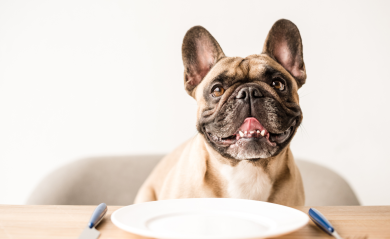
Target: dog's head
(248, 108)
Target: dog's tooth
(241, 134)
(246, 132)
(252, 132)
(263, 132)
(258, 131)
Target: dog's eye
(278, 85)
(218, 91)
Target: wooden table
(53, 222)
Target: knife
(322, 222)
(90, 232)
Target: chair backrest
(113, 180)
(116, 180)
(324, 187)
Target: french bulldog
(247, 114)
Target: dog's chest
(247, 181)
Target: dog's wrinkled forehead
(238, 70)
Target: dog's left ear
(200, 52)
(284, 44)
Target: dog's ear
(200, 52)
(284, 44)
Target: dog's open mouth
(251, 129)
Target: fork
(325, 225)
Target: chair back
(116, 180)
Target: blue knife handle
(321, 221)
(97, 215)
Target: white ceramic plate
(209, 218)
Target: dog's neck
(244, 178)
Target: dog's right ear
(200, 52)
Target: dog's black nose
(249, 92)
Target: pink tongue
(251, 124)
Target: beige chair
(116, 180)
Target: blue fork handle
(321, 221)
(97, 215)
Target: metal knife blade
(89, 233)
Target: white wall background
(89, 78)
